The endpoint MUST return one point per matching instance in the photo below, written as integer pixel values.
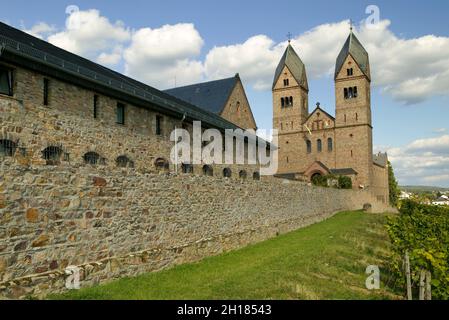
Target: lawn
(324, 261)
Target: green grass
(323, 261)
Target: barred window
(6, 83)
(124, 162)
(92, 158)
(161, 164)
(7, 148)
(52, 155)
(227, 173)
(187, 168)
(208, 171)
(256, 175)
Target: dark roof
(353, 47)
(381, 159)
(31, 52)
(295, 65)
(343, 171)
(211, 96)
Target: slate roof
(318, 108)
(353, 47)
(343, 171)
(295, 65)
(210, 96)
(381, 159)
(23, 49)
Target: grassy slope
(323, 261)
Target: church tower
(353, 110)
(290, 93)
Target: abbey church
(317, 143)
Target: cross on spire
(318, 104)
(289, 37)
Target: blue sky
(212, 39)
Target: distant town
(426, 195)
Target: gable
(238, 110)
(320, 119)
(285, 74)
(349, 63)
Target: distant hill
(419, 189)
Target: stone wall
(122, 222)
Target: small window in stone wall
(46, 91)
(120, 113)
(6, 83)
(93, 158)
(208, 171)
(52, 155)
(319, 145)
(309, 146)
(161, 164)
(243, 175)
(7, 148)
(187, 168)
(227, 173)
(124, 162)
(330, 145)
(256, 176)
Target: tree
(393, 186)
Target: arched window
(256, 176)
(187, 168)
(309, 146)
(92, 158)
(208, 171)
(282, 102)
(227, 173)
(291, 101)
(243, 174)
(52, 155)
(7, 148)
(161, 164)
(355, 92)
(350, 93)
(124, 162)
(330, 144)
(319, 145)
(346, 93)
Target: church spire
(354, 48)
(291, 60)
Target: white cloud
(410, 70)
(89, 34)
(41, 30)
(255, 60)
(422, 161)
(440, 130)
(163, 56)
(111, 59)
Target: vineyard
(420, 242)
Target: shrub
(423, 231)
(344, 182)
(320, 181)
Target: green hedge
(343, 182)
(423, 231)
